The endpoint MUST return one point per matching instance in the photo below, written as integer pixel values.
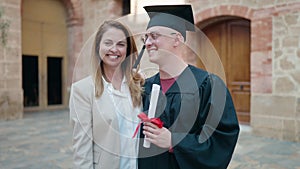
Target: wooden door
(231, 39)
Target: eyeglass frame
(154, 36)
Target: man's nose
(149, 41)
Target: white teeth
(152, 51)
(113, 57)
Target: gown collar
(186, 78)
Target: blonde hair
(134, 79)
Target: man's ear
(178, 39)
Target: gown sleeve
(211, 141)
(81, 121)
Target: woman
(104, 106)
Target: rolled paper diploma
(152, 107)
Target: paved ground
(42, 140)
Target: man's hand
(158, 136)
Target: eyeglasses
(153, 35)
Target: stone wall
(83, 19)
(275, 60)
(11, 93)
(286, 73)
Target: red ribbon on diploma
(145, 118)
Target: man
(200, 127)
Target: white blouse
(128, 121)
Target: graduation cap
(177, 17)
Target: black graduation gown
(199, 112)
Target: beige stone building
(258, 42)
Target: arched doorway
(44, 54)
(231, 39)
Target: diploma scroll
(152, 107)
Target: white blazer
(96, 136)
